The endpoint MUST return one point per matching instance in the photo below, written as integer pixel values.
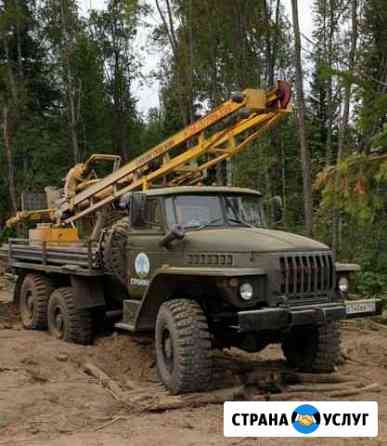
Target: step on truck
(195, 265)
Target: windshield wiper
(204, 225)
(242, 222)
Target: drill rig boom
(182, 159)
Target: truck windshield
(200, 211)
(244, 209)
(195, 210)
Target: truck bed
(62, 257)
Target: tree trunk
(272, 39)
(271, 46)
(73, 123)
(71, 91)
(169, 26)
(348, 84)
(283, 183)
(345, 118)
(305, 155)
(190, 68)
(330, 108)
(7, 134)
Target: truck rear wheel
(183, 346)
(33, 301)
(313, 348)
(66, 322)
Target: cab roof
(201, 190)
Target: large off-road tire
(66, 322)
(183, 345)
(313, 348)
(113, 250)
(33, 300)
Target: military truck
(198, 267)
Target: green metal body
(293, 279)
(209, 264)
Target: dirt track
(47, 399)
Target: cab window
(152, 213)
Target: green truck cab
(198, 267)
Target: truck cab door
(144, 250)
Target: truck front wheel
(33, 300)
(313, 348)
(183, 346)
(65, 321)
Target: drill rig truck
(194, 264)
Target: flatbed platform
(62, 257)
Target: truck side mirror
(137, 209)
(176, 233)
(276, 208)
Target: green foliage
(379, 141)
(353, 187)
(6, 233)
(372, 284)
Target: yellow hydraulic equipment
(32, 216)
(45, 232)
(183, 159)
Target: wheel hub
(168, 349)
(59, 323)
(30, 303)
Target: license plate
(360, 307)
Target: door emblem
(142, 265)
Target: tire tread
(194, 367)
(80, 322)
(43, 287)
(322, 356)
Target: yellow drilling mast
(182, 159)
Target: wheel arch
(158, 291)
(165, 285)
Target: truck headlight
(343, 284)
(246, 291)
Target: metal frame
(182, 159)
(63, 257)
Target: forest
(68, 85)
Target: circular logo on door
(142, 265)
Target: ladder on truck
(181, 160)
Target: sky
(147, 92)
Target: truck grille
(304, 275)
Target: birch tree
(343, 130)
(304, 149)
(62, 31)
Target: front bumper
(282, 318)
